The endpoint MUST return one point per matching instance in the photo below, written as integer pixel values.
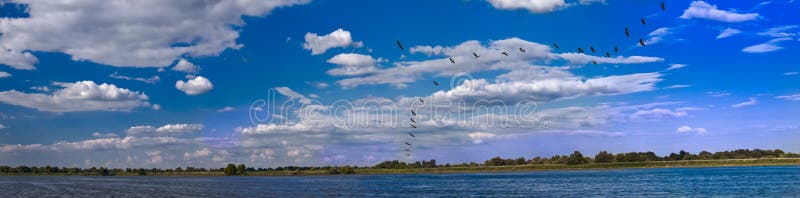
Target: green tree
(348, 170)
(230, 169)
(576, 158)
(604, 157)
(241, 169)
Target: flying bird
(644, 22)
(407, 150)
(408, 143)
(616, 49)
(608, 54)
(476, 55)
(580, 50)
(412, 120)
(413, 113)
(627, 33)
(556, 45)
(504, 53)
(641, 42)
(435, 83)
(452, 61)
(422, 101)
(413, 126)
(594, 62)
(412, 135)
(400, 45)
(592, 48)
(663, 8)
(522, 50)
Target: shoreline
(479, 169)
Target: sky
(321, 82)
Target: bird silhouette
(400, 45)
(413, 126)
(422, 101)
(413, 113)
(412, 120)
(435, 83)
(412, 135)
(627, 33)
(408, 143)
(522, 50)
(644, 22)
(608, 54)
(580, 50)
(663, 8)
(556, 45)
(452, 61)
(616, 49)
(592, 49)
(476, 55)
(504, 53)
(641, 42)
(407, 150)
(594, 62)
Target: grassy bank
(478, 169)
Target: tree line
(575, 158)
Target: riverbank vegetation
(575, 160)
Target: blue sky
(163, 85)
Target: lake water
(769, 181)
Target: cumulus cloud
(104, 135)
(4, 74)
(688, 129)
(728, 32)
(533, 6)
(202, 153)
(226, 109)
(703, 10)
(198, 85)
(491, 59)
(151, 80)
(168, 130)
(79, 96)
(795, 97)
(478, 137)
(352, 64)
(185, 66)
(145, 33)
(320, 44)
(769, 46)
(751, 101)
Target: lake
(771, 181)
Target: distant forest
(576, 158)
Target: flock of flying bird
(413, 122)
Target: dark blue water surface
(766, 181)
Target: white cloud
(676, 66)
(104, 135)
(145, 33)
(703, 10)
(677, 86)
(2, 126)
(769, 46)
(286, 91)
(791, 73)
(151, 80)
(478, 137)
(534, 6)
(196, 86)
(352, 64)
(226, 109)
(79, 96)
(490, 59)
(728, 33)
(780, 31)
(318, 85)
(658, 35)
(688, 129)
(169, 129)
(795, 97)
(202, 153)
(321, 44)
(156, 107)
(718, 94)
(4, 74)
(749, 102)
(657, 114)
(185, 66)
